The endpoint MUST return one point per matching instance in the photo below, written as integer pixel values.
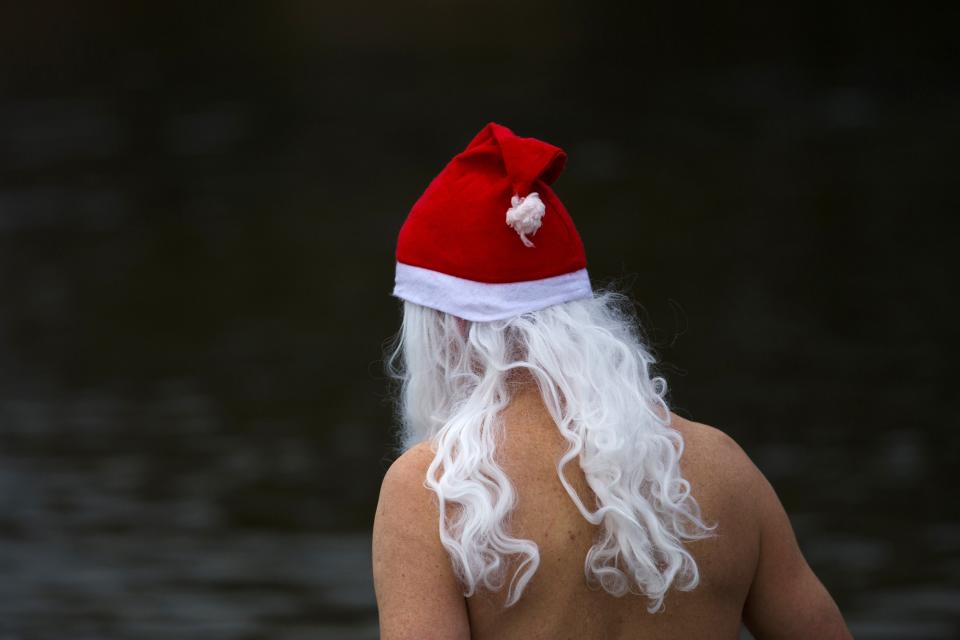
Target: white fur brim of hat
(485, 301)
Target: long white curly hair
(594, 374)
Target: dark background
(198, 208)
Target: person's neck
(525, 395)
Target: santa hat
(489, 239)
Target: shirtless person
(545, 489)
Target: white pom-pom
(524, 215)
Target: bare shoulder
(724, 479)
(713, 451)
(410, 566)
(410, 468)
(785, 599)
(699, 432)
(403, 493)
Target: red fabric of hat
(489, 238)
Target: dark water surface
(194, 280)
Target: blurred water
(108, 535)
(193, 422)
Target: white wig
(593, 371)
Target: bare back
(558, 603)
(751, 571)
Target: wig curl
(595, 377)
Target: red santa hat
(489, 239)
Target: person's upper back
(751, 570)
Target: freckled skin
(751, 571)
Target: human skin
(752, 571)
